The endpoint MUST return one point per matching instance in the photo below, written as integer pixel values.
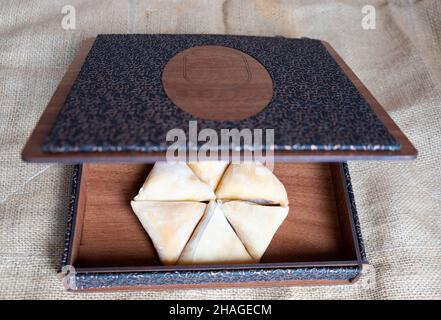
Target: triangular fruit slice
(214, 241)
(169, 225)
(209, 171)
(254, 224)
(251, 181)
(175, 182)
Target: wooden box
(319, 242)
(93, 121)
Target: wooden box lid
(123, 93)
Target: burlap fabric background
(399, 202)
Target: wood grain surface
(217, 83)
(108, 234)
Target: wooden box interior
(108, 235)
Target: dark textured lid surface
(117, 104)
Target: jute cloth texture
(399, 203)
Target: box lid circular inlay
(217, 83)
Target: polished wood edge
(407, 149)
(33, 150)
(151, 157)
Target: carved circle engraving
(217, 83)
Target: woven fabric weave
(399, 203)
